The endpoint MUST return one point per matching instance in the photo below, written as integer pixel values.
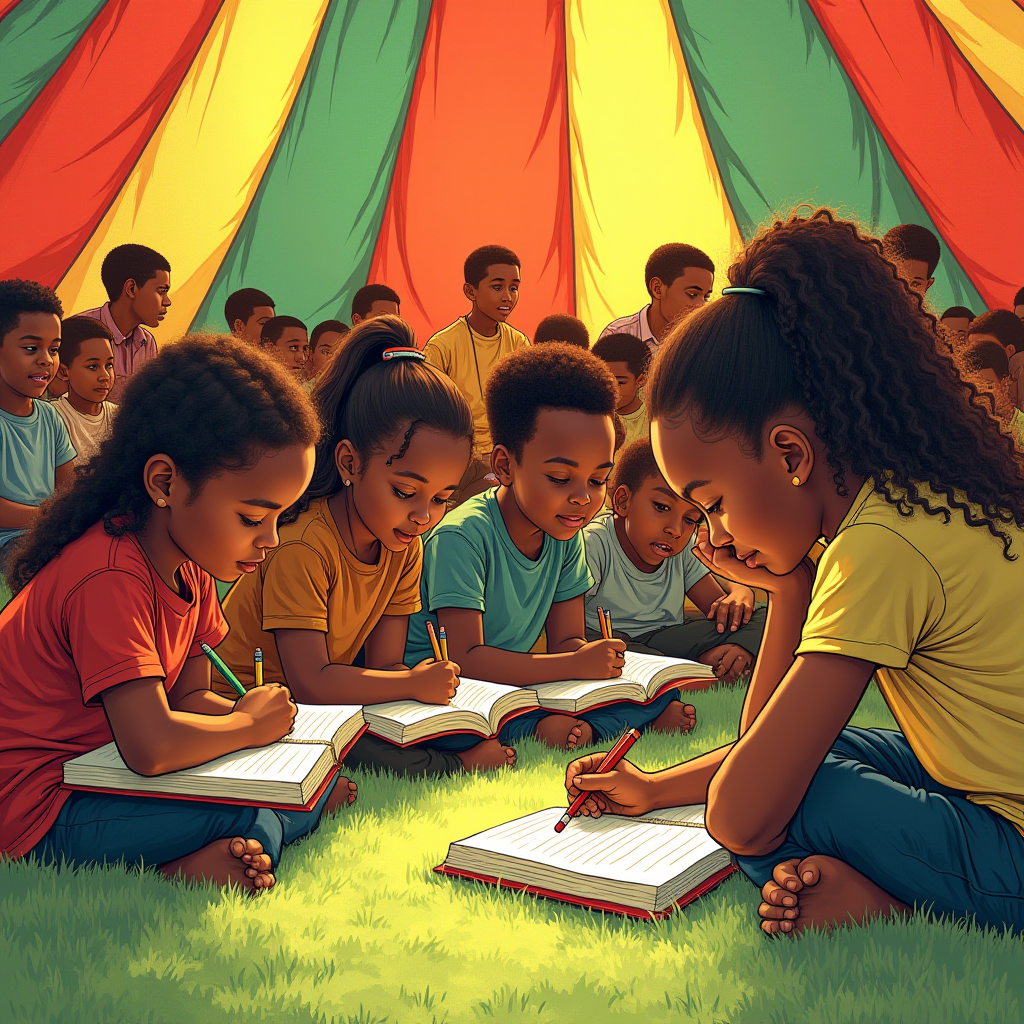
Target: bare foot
(487, 756)
(821, 892)
(237, 861)
(563, 732)
(675, 718)
(343, 794)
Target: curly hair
(474, 270)
(18, 296)
(635, 466)
(552, 376)
(364, 398)
(670, 261)
(209, 402)
(841, 336)
(130, 262)
(623, 348)
(562, 327)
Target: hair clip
(737, 289)
(402, 353)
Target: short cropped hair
(562, 327)
(635, 465)
(474, 270)
(363, 300)
(77, 329)
(958, 312)
(242, 304)
(670, 261)
(338, 326)
(912, 242)
(987, 355)
(18, 296)
(130, 262)
(552, 376)
(275, 327)
(623, 348)
(1003, 325)
(1018, 299)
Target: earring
(161, 502)
(347, 483)
(796, 481)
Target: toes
(773, 893)
(772, 913)
(785, 874)
(777, 927)
(808, 871)
(257, 861)
(264, 880)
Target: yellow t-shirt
(637, 425)
(451, 351)
(312, 581)
(937, 607)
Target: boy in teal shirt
(510, 562)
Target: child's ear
(620, 500)
(502, 461)
(62, 371)
(161, 477)
(641, 380)
(656, 287)
(469, 291)
(347, 461)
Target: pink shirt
(130, 351)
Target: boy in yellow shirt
(627, 357)
(469, 349)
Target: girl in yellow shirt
(812, 401)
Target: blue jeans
(93, 828)
(872, 806)
(608, 723)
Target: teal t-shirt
(31, 449)
(469, 561)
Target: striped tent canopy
(307, 147)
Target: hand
(729, 661)
(723, 562)
(600, 659)
(434, 682)
(626, 789)
(271, 709)
(733, 610)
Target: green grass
(360, 930)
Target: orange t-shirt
(96, 616)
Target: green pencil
(219, 665)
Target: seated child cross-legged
(916, 588)
(510, 562)
(115, 593)
(642, 561)
(398, 437)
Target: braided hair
(369, 401)
(841, 336)
(209, 402)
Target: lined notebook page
(318, 723)
(639, 669)
(610, 847)
(472, 695)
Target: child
(915, 252)
(470, 348)
(36, 453)
(87, 367)
(679, 280)
(137, 280)
(564, 328)
(956, 320)
(510, 563)
(924, 519)
(374, 300)
(987, 361)
(323, 343)
(246, 311)
(114, 593)
(1004, 328)
(284, 338)
(346, 577)
(627, 357)
(644, 568)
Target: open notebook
(643, 867)
(291, 773)
(477, 707)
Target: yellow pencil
(258, 666)
(604, 623)
(443, 641)
(608, 624)
(433, 641)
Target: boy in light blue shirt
(510, 563)
(644, 568)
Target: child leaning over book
(644, 568)
(510, 562)
(114, 594)
(398, 437)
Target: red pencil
(611, 759)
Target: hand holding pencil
(436, 680)
(599, 787)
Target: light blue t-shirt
(31, 449)
(639, 602)
(469, 561)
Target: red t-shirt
(96, 616)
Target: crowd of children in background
(505, 489)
